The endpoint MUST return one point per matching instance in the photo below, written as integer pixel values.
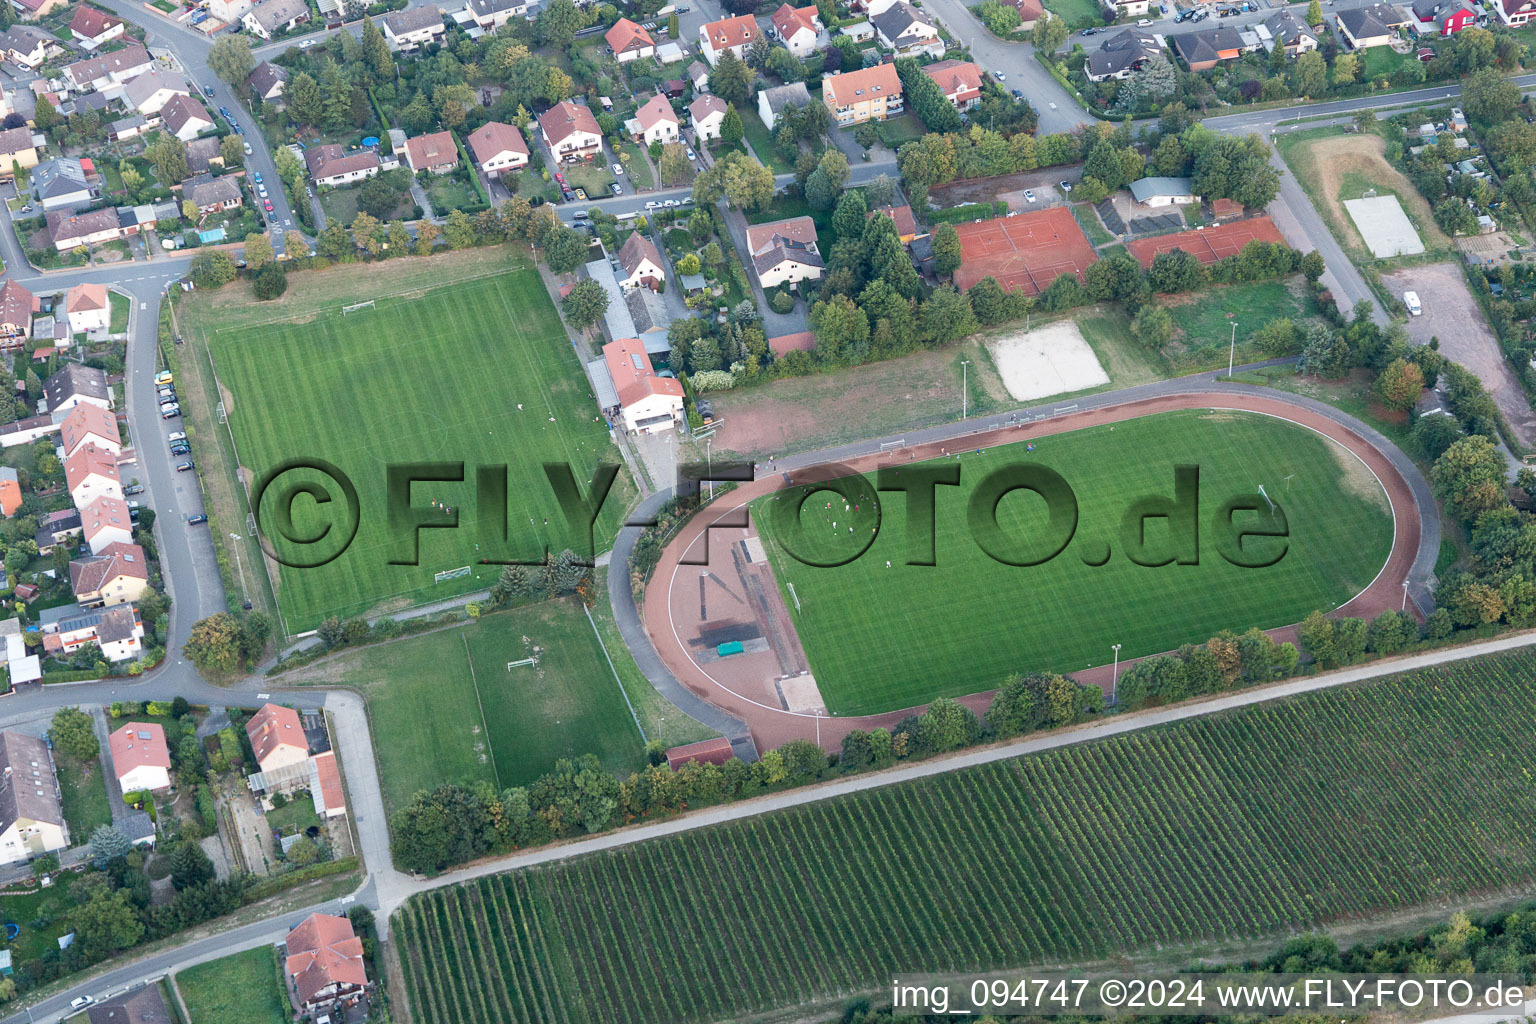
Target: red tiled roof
(565, 119)
(83, 298)
(328, 161)
(796, 229)
(275, 726)
(323, 951)
(331, 795)
(800, 341)
(656, 110)
(89, 574)
(736, 31)
(955, 77)
(17, 305)
(787, 20)
(86, 420)
(86, 460)
(431, 150)
(131, 749)
(104, 513)
(493, 138)
(865, 84)
(626, 35)
(906, 224)
(633, 377)
(90, 22)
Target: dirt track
(772, 726)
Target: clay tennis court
(1025, 252)
(1210, 244)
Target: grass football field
(445, 707)
(882, 638)
(435, 375)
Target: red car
(268, 205)
(560, 177)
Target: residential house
(61, 184)
(1443, 17)
(267, 81)
(707, 114)
(72, 230)
(901, 216)
(277, 737)
(641, 263)
(1365, 27)
(656, 121)
(28, 45)
(140, 756)
(31, 806)
(141, 1006)
(18, 146)
(733, 34)
(185, 118)
(203, 155)
(571, 132)
(88, 308)
(16, 308)
(858, 31)
(436, 153)
(118, 575)
(91, 473)
(56, 527)
(331, 165)
(798, 28)
(698, 74)
(116, 68)
(274, 17)
(647, 403)
(1287, 30)
(785, 251)
(324, 962)
(617, 322)
(10, 491)
(230, 12)
(1204, 48)
(872, 8)
(130, 127)
(213, 195)
(1130, 8)
(33, 9)
(490, 15)
(87, 423)
(93, 27)
(650, 321)
(106, 521)
(1514, 13)
(73, 383)
(871, 94)
(1121, 55)
(413, 27)
(498, 148)
(907, 31)
(325, 785)
(1153, 192)
(629, 41)
(774, 101)
(150, 92)
(959, 80)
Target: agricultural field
(882, 638)
(238, 989)
(475, 370)
(445, 707)
(1209, 831)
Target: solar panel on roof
(144, 734)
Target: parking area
(1452, 315)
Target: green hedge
(965, 214)
(288, 879)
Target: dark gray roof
(1206, 44)
(897, 18)
(1365, 22)
(647, 309)
(265, 76)
(116, 624)
(75, 379)
(786, 249)
(58, 178)
(1121, 51)
(413, 19)
(142, 1007)
(28, 787)
(1286, 28)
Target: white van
(1411, 300)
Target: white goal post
(356, 306)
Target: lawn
(85, 796)
(1216, 839)
(27, 908)
(881, 638)
(121, 305)
(1203, 321)
(907, 128)
(594, 178)
(239, 989)
(296, 815)
(451, 194)
(1074, 12)
(1097, 233)
(427, 695)
(340, 206)
(432, 372)
(756, 134)
(636, 169)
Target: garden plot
(1052, 360)
(1385, 227)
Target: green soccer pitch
(478, 372)
(881, 638)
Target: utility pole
(245, 594)
(1114, 682)
(709, 463)
(1232, 352)
(965, 387)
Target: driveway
(1452, 315)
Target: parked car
(1144, 23)
(80, 1002)
(209, 90)
(1029, 196)
(999, 76)
(1090, 31)
(248, 149)
(1018, 94)
(1066, 186)
(581, 193)
(179, 435)
(618, 189)
(170, 412)
(181, 448)
(195, 518)
(256, 177)
(690, 154)
(651, 204)
(268, 205)
(306, 44)
(133, 489)
(559, 178)
(618, 169)
(182, 467)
